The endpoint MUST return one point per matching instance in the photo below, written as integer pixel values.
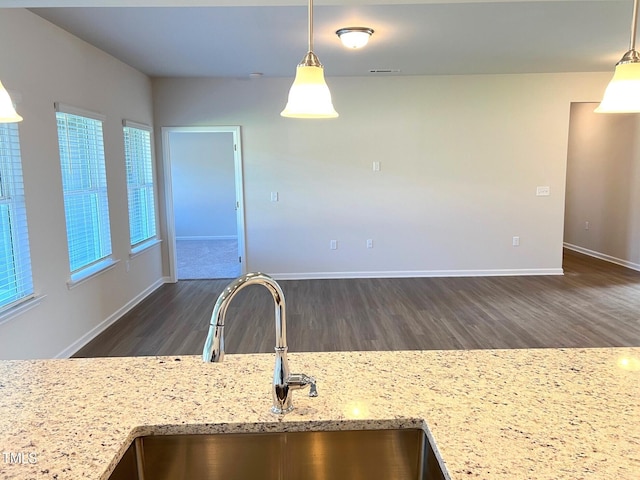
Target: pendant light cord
(634, 22)
(310, 29)
(310, 59)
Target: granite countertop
(494, 414)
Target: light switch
(543, 191)
(376, 166)
(274, 196)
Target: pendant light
(8, 113)
(309, 96)
(623, 92)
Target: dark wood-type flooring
(595, 304)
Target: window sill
(90, 272)
(9, 313)
(144, 246)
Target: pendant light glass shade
(623, 92)
(309, 96)
(8, 113)
(622, 95)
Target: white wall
(603, 185)
(460, 157)
(44, 64)
(203, 180)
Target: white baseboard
(602, 256)
(218, 237)
(418, 273)
(102, 326)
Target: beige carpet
(207, 259)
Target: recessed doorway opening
(205, 207)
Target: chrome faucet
(283, 382)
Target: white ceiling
(416, 37)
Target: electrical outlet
(369, 243)
(516, 241)
(274, 196)
(333, 244)
(376, 166)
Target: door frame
(168, 191)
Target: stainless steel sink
(346, 454)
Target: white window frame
(99, 190)
(13, 199)
(149, 186)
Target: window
(142, 212)
(84, 186)
(15, 263)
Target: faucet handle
(313, 390)
(300, 380)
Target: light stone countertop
(494, 414)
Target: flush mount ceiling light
(309, 96)
(354, 37)
(8, 113)
(623, 92)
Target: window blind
(15, 263)
(84, 184)
(140, 187)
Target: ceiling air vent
(384, 70)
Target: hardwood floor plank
(595, 304)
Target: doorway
(602, 203)
(205, 202)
